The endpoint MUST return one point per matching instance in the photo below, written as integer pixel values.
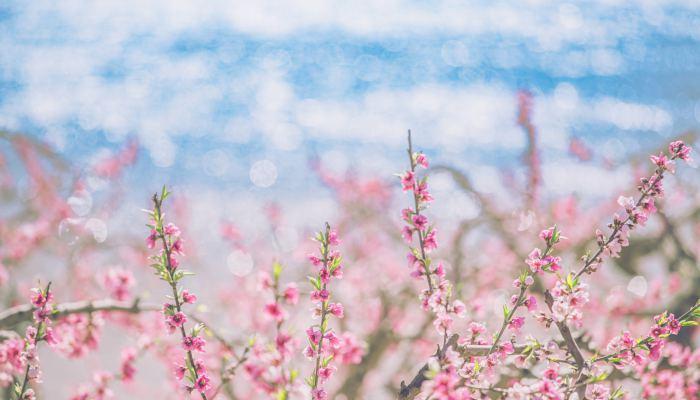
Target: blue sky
(209, 90)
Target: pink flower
(291, 294)
(673, 324)
(421, 160)
(274, 311)
(151, 239)
(188, 298)
(407, 181)
(118, 282)
(176, 320)
(531, 303)
(680, 150)
(420, 222)
(336, 309)
(516, 323)
(476, 329)
(39, 299)
(173, 262)
(662, 162)
(127, 366)
(333, 239)
(319, 394)
(192, 343)
(550, 374)
(407, 234)
(180, 372)
(315, 260)
(655, 349)
(430, 241)
(177, 247)
(320, 295)
(326, 373)
(547, 234)
(314, 335)
(534, 260)
(171, 230)
(203, 383)
(332, 340)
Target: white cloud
(550, 24)
(557, 113)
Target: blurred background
(268, 118)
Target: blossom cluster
(322, 340)
(625, 349)
(39, 331)
(167, 267)
(269, 368)
(463, 370)
(438, 296)
(637, 212)
(476, 358)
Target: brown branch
(23, 313)
(15, 315)
(410, 391)
(572, 346)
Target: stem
(173, 286)
(572, 347)
(416, 210)
(646, 340)
(518, 303)
(25, 380)
(616, 230)
(324, 309)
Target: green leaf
(326, 360)
(310, 380)
(506, 310)
(599, 378)
(617, 393)
(276, 270)
(315, 282)
(690, 323)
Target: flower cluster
(268, 367)
(39, 331)
(673, 376)
(625, 350)
(569, 296)
(118, 283)
(437, 297)
(166, 266)
(416, 223)
(637, 212)
(538, 261)
(322, 340)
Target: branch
(410, 391)
(15, 315)
(572, 346)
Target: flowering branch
(570, 293)
(268, 369)
(13, 316)
(637, 212)
(166, 267)
(538, 262)
(329, 266)
(36, 333)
